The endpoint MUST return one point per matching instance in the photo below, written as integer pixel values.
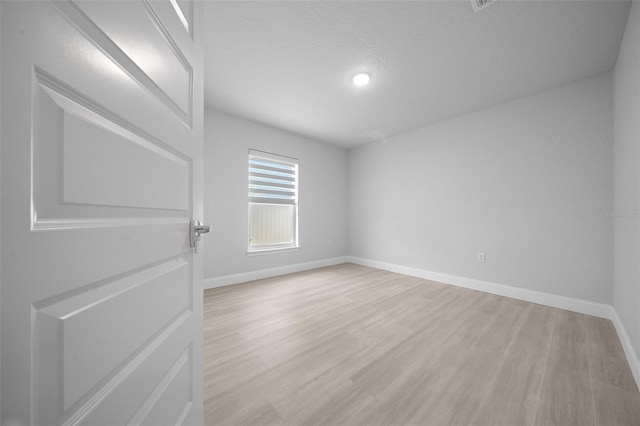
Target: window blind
(272, 179)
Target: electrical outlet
(481, 257)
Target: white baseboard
(625, 339)
(600, 310)
(270, 272)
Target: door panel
(96, 153)
(136, 29)
(184, 9)
(98, 160)
(101, 174)
(109, 308)
(121, 401)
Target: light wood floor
(350, 345)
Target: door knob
(196, 229)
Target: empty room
(320, 212)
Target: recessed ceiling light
(361, 79)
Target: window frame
(281, 247)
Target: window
(273, 202)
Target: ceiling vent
(478, 5)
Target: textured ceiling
(289, 64)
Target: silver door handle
(196, 229)
(202, 229)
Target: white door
(101, 172)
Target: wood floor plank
(513, 397)
(303, 401)
(452, 396)
(566, 396)
(225, 376)
(615, 406)
(246, 414)
(351, 345)
(607, 355)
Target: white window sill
(272, 251)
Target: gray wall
(626, 289)
(526, 182)
(322, 198)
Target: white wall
(322, 197)
(526, 182)
(626, 290)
